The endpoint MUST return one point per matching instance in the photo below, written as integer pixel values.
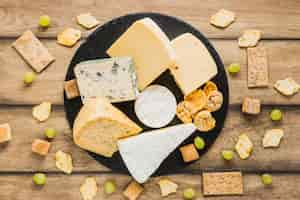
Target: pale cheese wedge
(99, 125)
(195, 66)
(272, 138)
(144, 153)
(244, 146)
(287, 87)
(150, 48)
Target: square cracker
(222, 18)
(222, 183)
(258, 72)
(33, 51)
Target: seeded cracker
(258, 72)
(33, 51)
(222, 18)
(222, 183)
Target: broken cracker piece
(64, 162)
(87, 20)
(189, 153)
(40, 147)
(272, 138)
(5, 133)
(222, 183)
(133, 190)
(69, 37)
(33, 51)
(167, 187)
(222, 18)
(42, 112)
(258, 70)
(251, 106)
(287, 87)
(249, 38)
(71, 89)
(244, 146)
(89, 188)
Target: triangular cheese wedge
(99, 125)
(144, 153)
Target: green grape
(266, 179)
(39, 178)
(234, 68)
(50, 133)
(199, 143)
(276, 115)
(109, 187)
(189, 193)
(29, 77)
(44, 21)
(227, 154)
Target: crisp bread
(258, 72)
(222, 183)
(33, 51)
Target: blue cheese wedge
(113, 78)
(144, 153)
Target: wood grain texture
(25, 129)
(67, 187)
(276, 18)
(282, 56)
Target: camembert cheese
(195, 64)
(150, 48)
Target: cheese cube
(189, 153)
(133, 190)
(249, 38)
(287, 87)
(251, 106)
(149, 47)
(244, 146)
(71, 89)
(5, 133)
(68, 37)
(87, 20)
(40, 147)
(222, 18)
(195, 65)
(167, 187)
(272, 138)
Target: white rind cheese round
(155, 106)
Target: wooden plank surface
(276, 18)
(19, 187)
(282, 55)
(25, 129)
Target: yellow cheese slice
(150, 48)
(195, 64)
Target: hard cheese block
(150, 48)
(144, 153)
(99, 125)
(113, 78)
(195, 64)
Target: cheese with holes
(150, 48)
(195, 64)
(99, 125)
(144, 153)
(113, 78)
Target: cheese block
(113, 78)
(195, 64)
(99, 125)
(144, 153)
(150, 48)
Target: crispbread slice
(222, 18)
(33, 51)
(250, 38)
(222, 183)
(258, 71)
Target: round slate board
(95, 47)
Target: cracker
(204, 121)
(251, 106)
(183, 112)
(197, 100)
(87, 20)
(89, 188)
(209, 87)
(258, 71)
(40, 147)
(71, 89)
(287, 87)
(189, 153)
(33, 51)
(5, 133)
(69, 37)
(250, 38)
(167, 187)
(222, 18)
(222, 183)
(272, 138)
(63, 161)
(133, 190)
(244, 146)
(42, 112)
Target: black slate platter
(95, 47)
